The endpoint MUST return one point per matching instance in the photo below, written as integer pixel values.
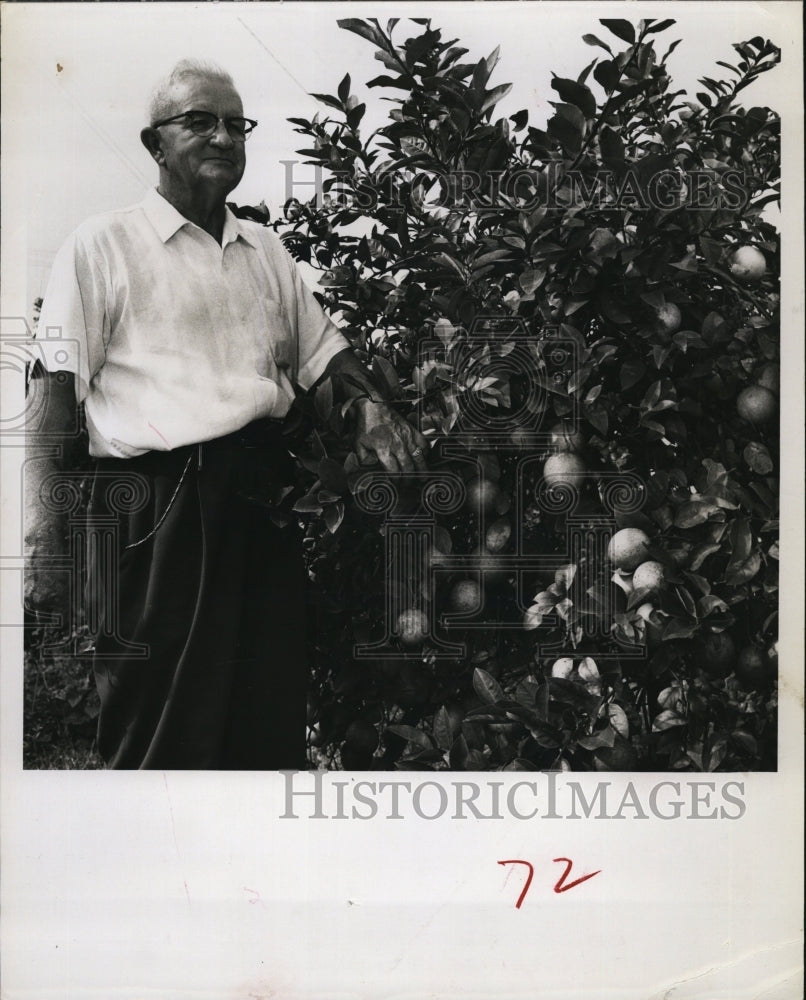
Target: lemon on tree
(564, 469)
(412, 627)
(770, 378)
(362, 736)
(649, 575)
(751, 666)
(628, 548)
(667, 319)
(482, 494)
(748, 264)
(465, 596)
(756, 404)
(718, 653)
(498, 535)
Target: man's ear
(150, 138)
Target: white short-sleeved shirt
(178, 339)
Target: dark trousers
(200, 652)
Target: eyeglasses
(204, 124)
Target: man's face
(193, 162)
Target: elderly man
(193, 329)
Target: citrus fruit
(412, 627)
(482, 494)
(362, 736)
(627, 548)
(498, 534)
(770, 378)
(466, 596)
(668, 319)
(564, 469)
(566, 437)
(719, 653)
(756, 404)
(648, 576)
(750, 666)
(748, 264)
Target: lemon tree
(564, 307)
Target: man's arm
(49, 427)
(382, 435)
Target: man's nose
(221, 136)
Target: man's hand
(382, 435)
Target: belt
(262, 438)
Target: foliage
(499, 278)
(61, 706)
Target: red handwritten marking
(531, 868)
(254, 892)
(561, 885)
(153, 428)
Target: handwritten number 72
(561, 885)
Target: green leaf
(679, 628)
(329, 100)
(487, 687)
(632, 371)
(618, 720)
(593, 40)
(365, 30)
(333, 515)
(494, 96)
(695, 512)
(386, 376)
(710, 603)
(611, 146)
(607, 74)
(620, 28)
(323, 400)
(742, 542)
(666, 720)
(566, 133)
(442, 728)
(604, 737)
(411, 735)
(577, 94)
(344, 88)
(661, 26)
(459, 754)
(745, 571)
(758, 458)
(532, 280)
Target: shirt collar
(167, 220)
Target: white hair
(162, 102)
